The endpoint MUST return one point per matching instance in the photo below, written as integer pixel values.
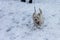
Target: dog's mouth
(37, 22)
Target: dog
(37, 18)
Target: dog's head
(36, 18)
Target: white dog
(37, 18)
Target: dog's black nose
(35, 19)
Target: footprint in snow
(9, 29)
(1, 16)
(14, 37)
(58, 23)
(10, 3)
(45, 38)
(45, 25)
(10, 13)
(0, 10)
(53, 15)
(0, 29)
(23, 18)
(28, 15)
(15, 21)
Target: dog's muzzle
(35, 19)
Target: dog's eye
(37, 17)
(34, 17)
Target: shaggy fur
(37, 18)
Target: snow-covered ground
(16, 21)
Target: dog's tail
(34, 9)
(40, 10)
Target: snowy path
(16, 21)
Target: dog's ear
(40, 10)
(33, 14)
(34, 9)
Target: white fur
(38, 18)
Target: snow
(16, 21)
